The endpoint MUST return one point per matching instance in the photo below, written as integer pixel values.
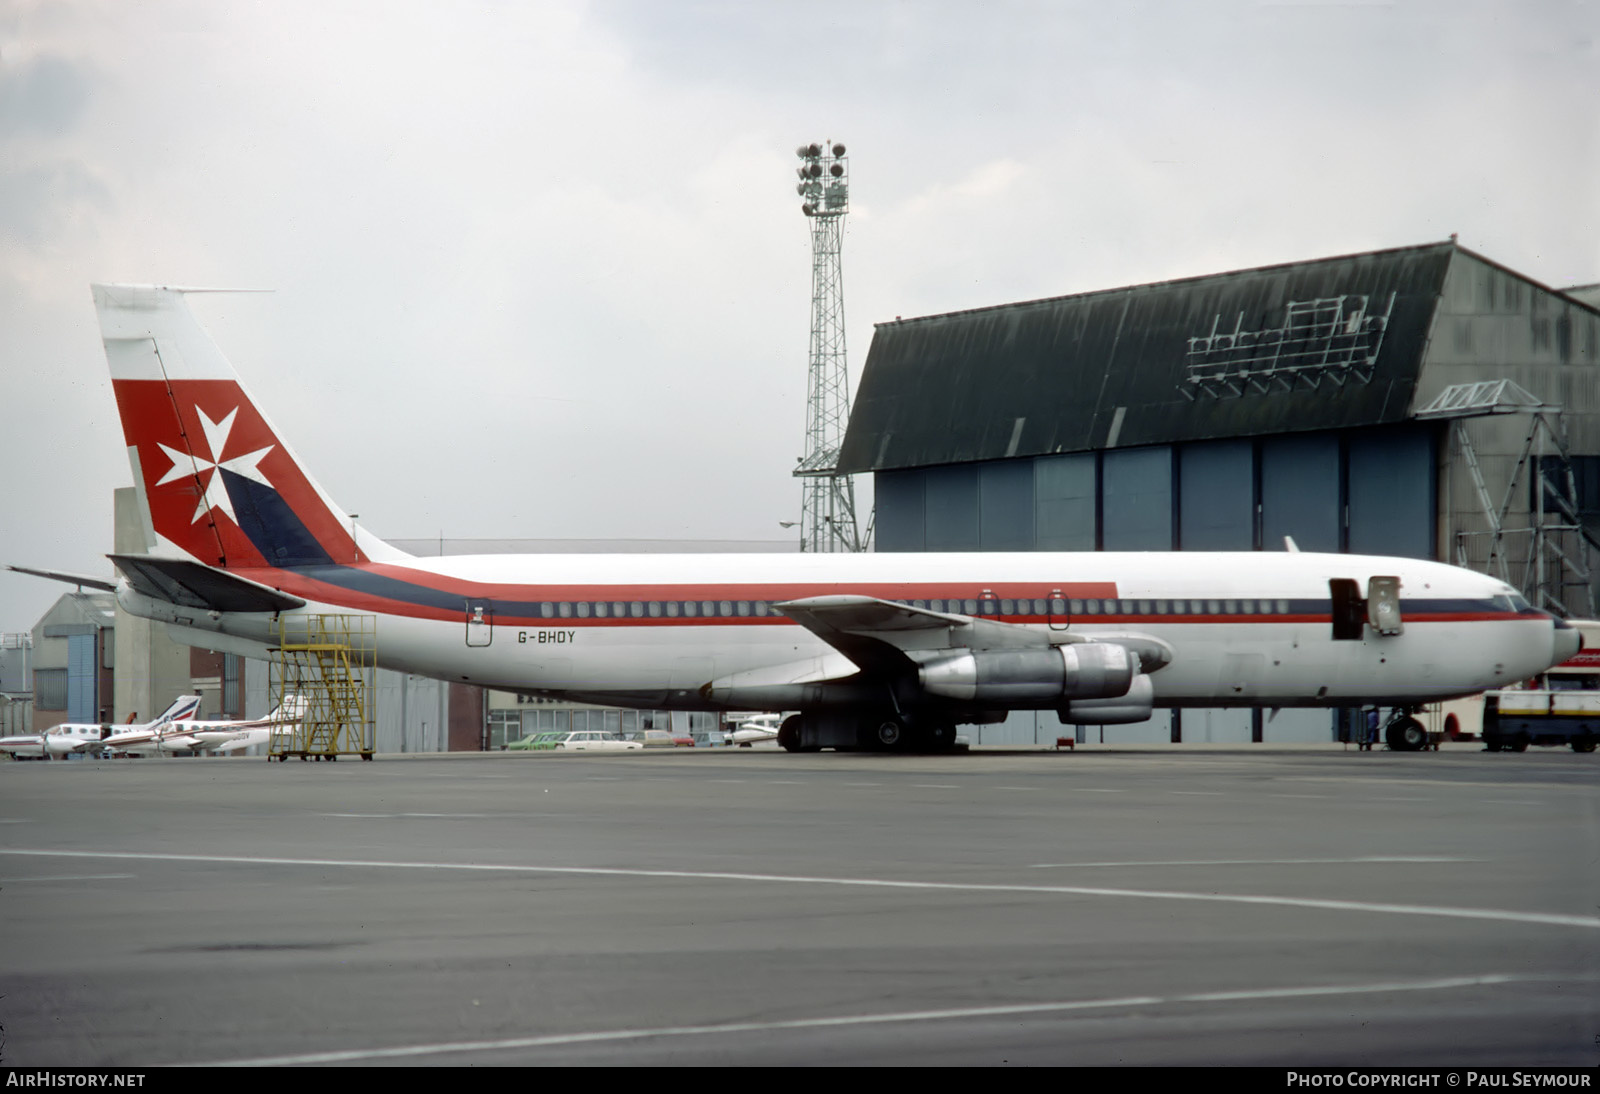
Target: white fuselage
(61, 740)
(1246, 629)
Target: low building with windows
(512, 716)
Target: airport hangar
(1395, 402)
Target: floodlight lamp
(836, 170)
(808, 210)
(838, 150)
(813, 150)
(801, 151)
(816, 170)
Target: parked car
(543, 740)
(656, 738)
(593, 741)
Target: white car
(593, 741)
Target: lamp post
(828, 510)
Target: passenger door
(480, 622)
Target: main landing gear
(858, 733)
(1404, 733)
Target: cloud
(41, 96)
(46, 205)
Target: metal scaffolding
(828, 510)
(1548, 557)
(328, 661)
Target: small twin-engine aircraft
(226, 736)
(69, 737)
(885, 651)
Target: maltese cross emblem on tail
(205, 470)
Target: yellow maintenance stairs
(329, 661)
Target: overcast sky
(540, 270)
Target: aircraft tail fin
(288, 712)
(216, 482)
(182, 708)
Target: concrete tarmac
(1277, 905)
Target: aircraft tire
(889, 734)
(1407, 735)
(789, 734)
(1584, 743)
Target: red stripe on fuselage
(300, 584)
(748, 590)
(498, 594)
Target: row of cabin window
(657, 609)
(730, 609)
(1061, 607)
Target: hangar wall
(1225, 413)
(1492, 323)
(1235, 495)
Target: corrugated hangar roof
(1326, 344)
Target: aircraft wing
(116, 741)
(881, 636)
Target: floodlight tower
(828, 511)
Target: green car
(539, 741)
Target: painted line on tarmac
(429, 816)
(561, 1040)
(1262, 861)
(1498, 914)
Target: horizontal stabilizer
(79, 580)
(196, 585)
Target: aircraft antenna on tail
(828, 512)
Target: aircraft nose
(1568, 641)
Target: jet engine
(1032, 677)
(1137, 705)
